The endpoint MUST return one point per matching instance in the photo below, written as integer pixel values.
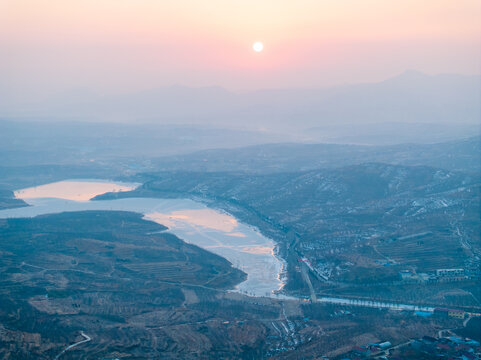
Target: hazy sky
(127, 45)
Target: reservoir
(216, 231)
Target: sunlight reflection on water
(191, 221)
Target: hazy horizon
(121, 47)
(446, 99)
(114, 92)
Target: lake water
(191, 221)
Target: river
(221, 233)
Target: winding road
(86, 339)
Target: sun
(258, 46)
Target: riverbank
(244, 246)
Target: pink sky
(127, 45)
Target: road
(465, 322)
(307, 280)
(86, 339)
(388, 351)
(374, 304)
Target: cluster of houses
(452, 347)
(450, 313)
(449, 348)
(439, 275)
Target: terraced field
(72, 270)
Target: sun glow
(258, 46)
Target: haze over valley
(259, 180)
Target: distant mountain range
(411, 97)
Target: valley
(105, 276)
(240, 180)
(362, 247)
